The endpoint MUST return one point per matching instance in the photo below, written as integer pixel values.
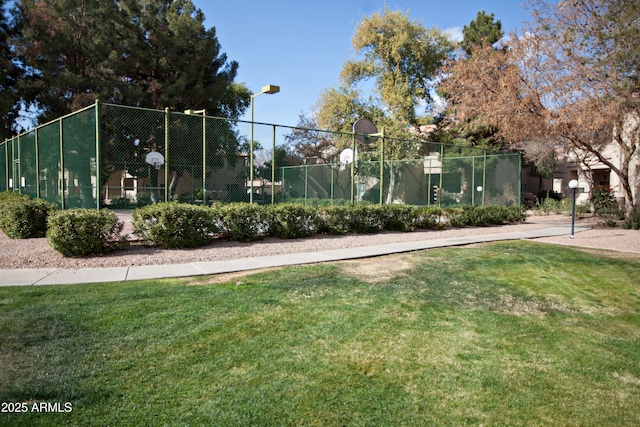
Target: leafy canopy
(401, 56)
(147, 53)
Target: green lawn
(514, 333)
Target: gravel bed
(36, 253)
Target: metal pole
(273, 166)
(441, 171)
(473, 181)
(62, 186)
(484, 176)
(251, 156)
(353, 162)
(204, 158)
(166, 155)
(429, 185)
(381, 165)
(98, 157)
(19, 177)
(37, 166)
(6, 163)
(306, 182)
(573, 213)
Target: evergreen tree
(146, 53)
(482, 31)
(9, 76)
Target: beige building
(591, 172)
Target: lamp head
(270, 89)
(573, 183)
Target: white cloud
(454, 33)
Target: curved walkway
(57, 276)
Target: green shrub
(291, 221)
(364, 218)
(604, 199)
(398, 217)
(482, 216)
(429, 217)
(175, 225)
(454, 217)
(24, 218)
(82, 232)
(333, 219)
(553, 204)
(514, 214)
(633, 221)
(243, 222)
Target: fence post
(473, 180)
(98, 158)
(381, 165)
(306, 182)
(37, 166)
(273, 166)
(353, 163)
(166, 154)
(62, 186)
(429, 189)
(441, 172)
(484, 176)
(282, 183)
(204, 158)
(12, 164)
(6, 163)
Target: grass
(514, 333)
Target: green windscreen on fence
(124, 157)
(49, 161)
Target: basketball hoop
(155, 159)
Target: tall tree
(9, 77)
(571, 80)
(177, 63)
(137, 52)
(64, 46)
(401, 56)
(484, 30)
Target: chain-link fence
(123, 157)
(486, 179)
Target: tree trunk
(392, 184)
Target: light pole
(573, 184)
(479, 190)
(269, 89)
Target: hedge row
(83, 232)
(175, 225)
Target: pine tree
(146, 53)
(9, 77)
(482, 31)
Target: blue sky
(300, 45)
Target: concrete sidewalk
(56, 276)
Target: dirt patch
(237, 277)
(379, 269)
